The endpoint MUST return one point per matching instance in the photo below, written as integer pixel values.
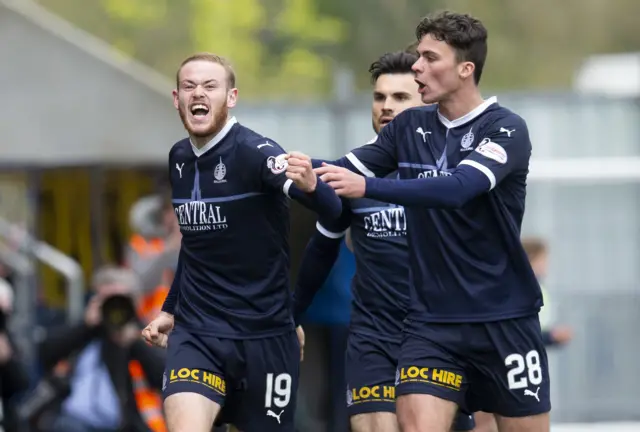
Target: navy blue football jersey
(467, 264)
(380, 286)
(230, 198)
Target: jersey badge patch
(493, 151)
(277, 164)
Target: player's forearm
(318, 260)
(343, 162)
(172, 296)
(452, 191)
(323, 200)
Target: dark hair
(399, 62)
(464, 33)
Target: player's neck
(460, 104)
(200, 141)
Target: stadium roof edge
(91, 45)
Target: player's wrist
(369, 185)
(165, 313)
(313, 186)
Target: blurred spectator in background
(538, 254)
(113, 377)
(329, 314)
(6, 274)
(553, 335)
(14, 379)
(153, 250)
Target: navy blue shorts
(499, 367)
(255, 381)
(371, 368)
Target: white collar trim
(449, 124)
(215, 140)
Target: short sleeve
(378, 157)
(505, 148)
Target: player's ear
(465, 69)
(232, 97)
(175, 99)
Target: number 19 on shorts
(523, 370)
(278, 391)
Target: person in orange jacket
(153, 250)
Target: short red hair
(213, 58)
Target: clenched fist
(300, 171)
(157, 332)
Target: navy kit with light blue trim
(234, 340)
(472, 333)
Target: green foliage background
(288, 49)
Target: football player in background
(377, 234)
(472, 337)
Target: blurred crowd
(97, 375)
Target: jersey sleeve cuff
(483, 169)
(286, 186)
(330, 234)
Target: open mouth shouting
(199, 111)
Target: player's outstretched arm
(452, 191)
(441, 192)
(299, 182)
(377, 158)
(308, 190)
(500, 153)
(319, 257)
(323, 200)
(343, 162)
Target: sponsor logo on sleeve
(493, 151)
(277, 164)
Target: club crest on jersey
(493, 151)
(467, 141)
(277, 164)
(219, 172)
